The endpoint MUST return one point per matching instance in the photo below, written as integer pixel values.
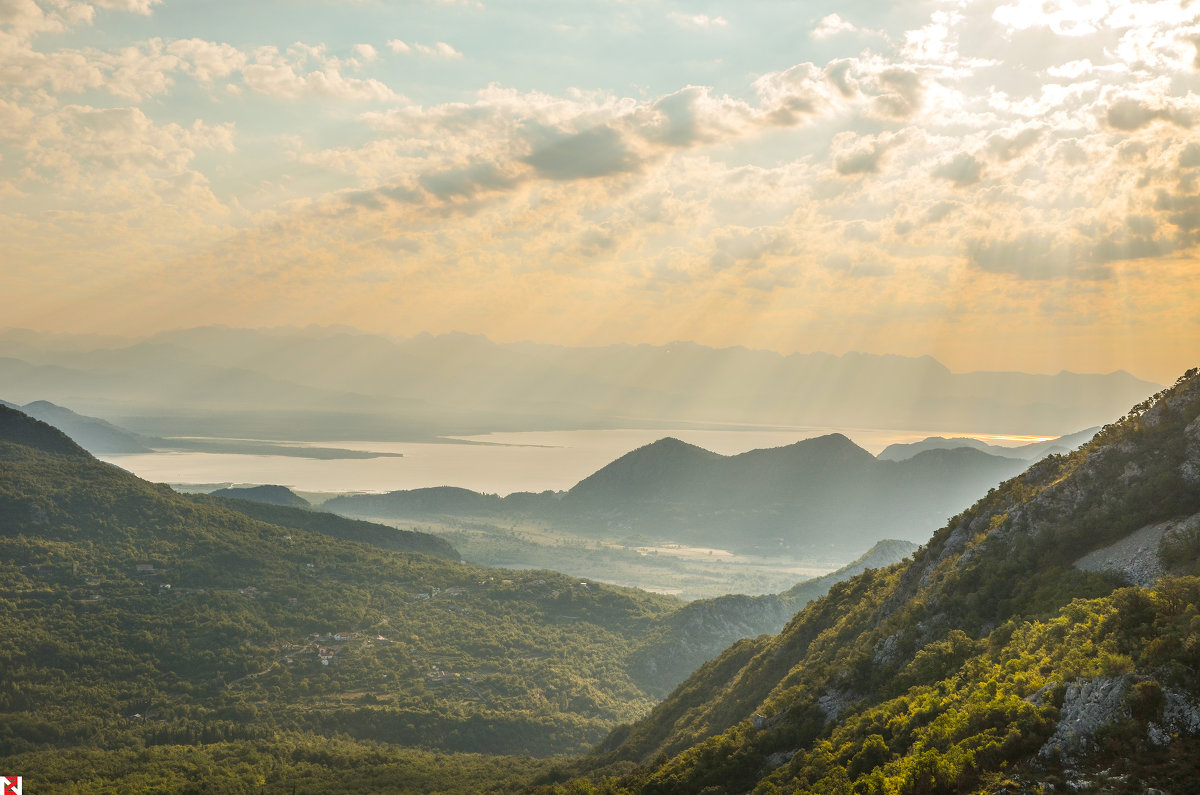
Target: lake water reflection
(497, 463)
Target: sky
(1002, 184)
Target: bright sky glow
(999, 183)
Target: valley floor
(636, 562)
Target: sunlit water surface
(495, 463)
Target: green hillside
(338, 526)
(988, 663)
(159, 642)
(137, 622)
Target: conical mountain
(665, 469)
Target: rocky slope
(986, 663)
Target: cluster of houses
(317, 645)
(324, 654)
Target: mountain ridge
(1028, 452)
(145, 628)
(823, 494)
(967, 664)
(450, 381)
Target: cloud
(1073, 18)
(205, 60)
(962, 169)
(862, 154)
(856, 267)
(832, 25)
(467, 181)
(697, 21)
(905, 179)
(798, 93)
(1125, 247)
(132, 73)
(439, 50)
(1037, 255)
(586, 136)
(285, 76)
(940, 211)
(693, 115)
(936, 42)
(597, 152)
(838, 73)
(133, 6)
(1180, 210)
(1130, 113)
(901, 92)
(747, 246)
(1006, 147)
(1072, 69)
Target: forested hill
(336, 526)
(989, 662)
(157, 641)
(18, 430)
(133, 617)
(270, 495)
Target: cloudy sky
(1001, 184)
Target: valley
(682, 571)
(679, 552)
(457, 397)
(250, 626)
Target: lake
(496, 463)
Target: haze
(1000, 184)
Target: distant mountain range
(94, 435)
(1024, 452)
(341, 384)
(101, 437)
(822, 495)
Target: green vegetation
(287, 762)
(341, 527)
(135, 618)
(955, 671)
(950, 673)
